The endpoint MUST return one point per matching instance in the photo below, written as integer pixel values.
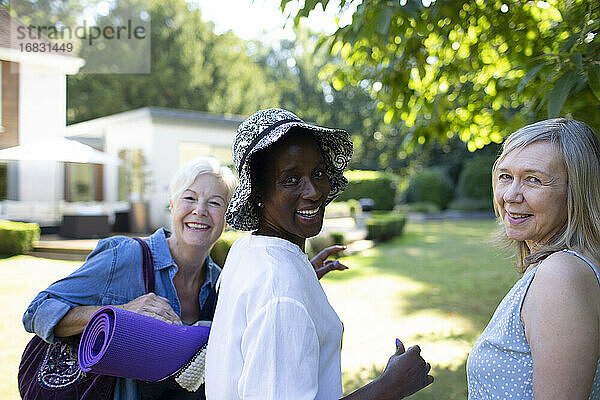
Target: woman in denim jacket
(185, 275)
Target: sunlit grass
(21, 278)
(437, 286)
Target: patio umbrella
(58, 149)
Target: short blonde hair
(188, 172)
(579, 148)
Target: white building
(33, 99)
(33, 107)
(166, 138)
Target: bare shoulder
(564, 288)
(566, 270)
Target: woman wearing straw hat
(275, 335)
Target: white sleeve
(280, 351)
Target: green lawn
(436, 286)
(21, 278)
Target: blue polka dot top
(500, 365)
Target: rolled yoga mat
(130, 345)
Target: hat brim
(336, 147)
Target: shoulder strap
(147, 266)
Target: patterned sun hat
(262, 129)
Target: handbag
(51, 371)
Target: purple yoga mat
(129, 345)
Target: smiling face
(294, 189)
(198, 214)
(531, 193)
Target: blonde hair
(579, 148)
(188, 172)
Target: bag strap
(147, 266)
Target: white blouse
(274, 334)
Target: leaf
(577, 59)
(411, 8)
(529, 76)
(593, 74)
(389, 116)
(382, 25)
(283, 4)
(569, 43)
(559, 93)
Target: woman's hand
(322, 265)
(406, 373)
(153, 306)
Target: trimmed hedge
(376, 185)
(338, 238)
(315, 244)
(465, 204)
(17, 237)
(475, 179)
(221, 247)
(429, 185)
(381, 227)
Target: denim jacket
(112, 275)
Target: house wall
(166, 144)
(10, 106)
(130, 134)
(42, 115)
(170, 141)
(9, 137)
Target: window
(123, 179)
(80, 182)
(134, 179)
(1, 83)
(190, 150)
(3, 181)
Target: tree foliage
(191, 68)
(473, 68)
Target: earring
(259, 203)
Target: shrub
(221, 248)
(317, 243)
(475, 179)
(429, 185)
(464, 204)
(383, 227)
(338, 238)
(424, 207)
(17, 237)
(379, 186)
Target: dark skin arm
(322, 265)
(406, 373)
(149, 304)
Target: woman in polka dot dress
(543, 341)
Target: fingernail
(397, 342)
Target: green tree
(473, 68)
(295, 67)
(191, 68)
